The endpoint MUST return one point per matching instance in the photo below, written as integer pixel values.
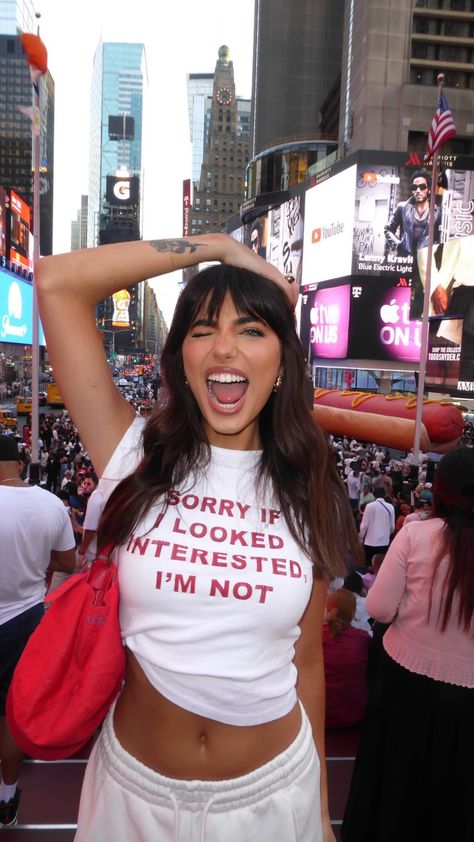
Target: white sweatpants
(124, 801)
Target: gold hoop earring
(278, 383)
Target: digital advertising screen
(324, 326)
(285, 237)
(380, 323)
(256, 235)
(328, 228)
(19, 232)
(3, 224)
(450, 358)
(122, 190)
(365, 319)
(391, 222)
(16, 310)
(451, 275)
(443, 360)
(121, 313)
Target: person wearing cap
(35, 534)
(423, 508)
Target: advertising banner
(324, 327)
(443, 361)
(122, 190)
(121, 314)
(3, 225)
(256, 235)
(19, 232)
(328, 228)
(366, 319)
(186, 205)
(380, 324)
(16, 310)
(285, 239)
(452, 279)
(392, 218)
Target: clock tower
(220, 190)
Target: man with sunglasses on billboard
(407, 231)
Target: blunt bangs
(251, 294)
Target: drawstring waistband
(200, 797)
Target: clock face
(224, 96)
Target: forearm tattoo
(176, 246)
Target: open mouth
(227, 390)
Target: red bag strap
(105, 554)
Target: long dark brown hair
(295, 454)
(453, 501)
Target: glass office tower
(118, 80)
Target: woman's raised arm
(71, 285)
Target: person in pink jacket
(414, 773)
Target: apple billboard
(324, 328)
(380, 326)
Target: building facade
(115, 143)
(225, 145)
(79, 227)
(392, 56)
(297, 59)
(15, 127)
(115, 173)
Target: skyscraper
(118, 79)
(220, 127)
(297, 59)
(389, 73)
(79, 227)
(115, 166)
(15, 128)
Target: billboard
(285, 237)
(3, 225)
(122, 190)
(452, 277)
(324, 329)
(19, 232)
(443, 360)
(16, 310)
(121, 315)
(380, 323)
(328, 228)
(186, 205)
(256, 235)
(359, 318)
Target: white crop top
(211, 591)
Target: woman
(345, 650)
(227, 532)
(413, 778)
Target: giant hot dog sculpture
(388, 419)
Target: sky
(180, 37)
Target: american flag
(442, 126)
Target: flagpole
(426, 304)
(36, 254)
(36, 131)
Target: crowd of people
(296, 559)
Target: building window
(419, 50)
(420, 25)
